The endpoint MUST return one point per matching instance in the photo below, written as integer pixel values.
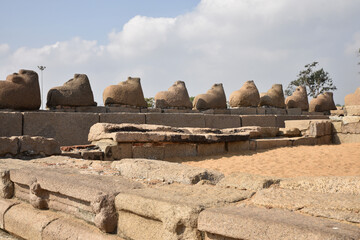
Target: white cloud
(228, 41)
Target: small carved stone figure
(298, 99)
(274, 97)
(176, 96)
(214, 98)
(128, 92)
(20, 91)
(75, 92)
(246, 96)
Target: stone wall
(72, 128)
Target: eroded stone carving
(246, 96)
(175, 97)
(214, 98)
(38, 196)
(322, 103)
(128, 92)
(75, 92)
(106, 217)
(298, 99)
(20, 91)
(274, 97)
(6, 185)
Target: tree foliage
(150, 102)
(315, 81)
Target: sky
(201, 42)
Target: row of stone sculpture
(21, 91)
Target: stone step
(240, 222)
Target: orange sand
(324, 160)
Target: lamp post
(42, 68)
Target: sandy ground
(324, 160)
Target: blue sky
(200, 42)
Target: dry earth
(324, 160)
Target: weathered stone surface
(246, 96)
(351, 128)
(298, 99)
(246, 181)
(9, 145)
(4, 206)
(138, 118)
(280, 119)
(71, 228)
(210, 149)
(27, 222)
(297, 141)
(319, 128)
(128, 92)
(179, 150)
(336, 126)
(338, 206)
(11, 124)
(243, 111)
(124, 109)
(222, 121)
(170, 211)
(289, 132)
(272, 143)
(38, 145)
(75, 92)
(254, 131)
(6, 185)
(67, 128)
(91, 109)
(176, 96)
(275, 111)
(236, 147)
(346, 138)
(294, 111)
(258, 120)
(176, 119)
(214, 98)
(353, 98)
(274, 97)
(261, 223)
(20, 91)
(322, 103)
(165, 171)
(344, 184)
(352, 110)
(148, 151)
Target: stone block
(38, 145)
(148, 151)
(222, 121)
(176, 119)
(235, 222)
(338, 112)
(272, 143)
(319, 128)
(9, 145)
(351, 128)
(324, 184)
(246, 181)
(114, 151)
(289, 132)
(315, 117)
(92, 155)
(179, 150)
(164, 171)
(150, 110)
(91, 109)
(302, 125)
(71, 228)
(137, 118)
(217, 111)
(351, 119)
(353, 110)
(11, 124)
(210, 149)
(260, 111)
(280, 120)
(243, 111)
(258, 120)
(336, 126)
(304, 141)
(5, 205)
(324, 140)
(237, 147)
(312, 114)
(26, 222)
(346, 138)
(275, 111)
(169, 212)
(122, 109)
(338, 206)
(294, 111)
(66, 128)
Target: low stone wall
(72, 128)
(346, 130)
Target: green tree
(150, 102)
(315, 81)
(192, 99)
